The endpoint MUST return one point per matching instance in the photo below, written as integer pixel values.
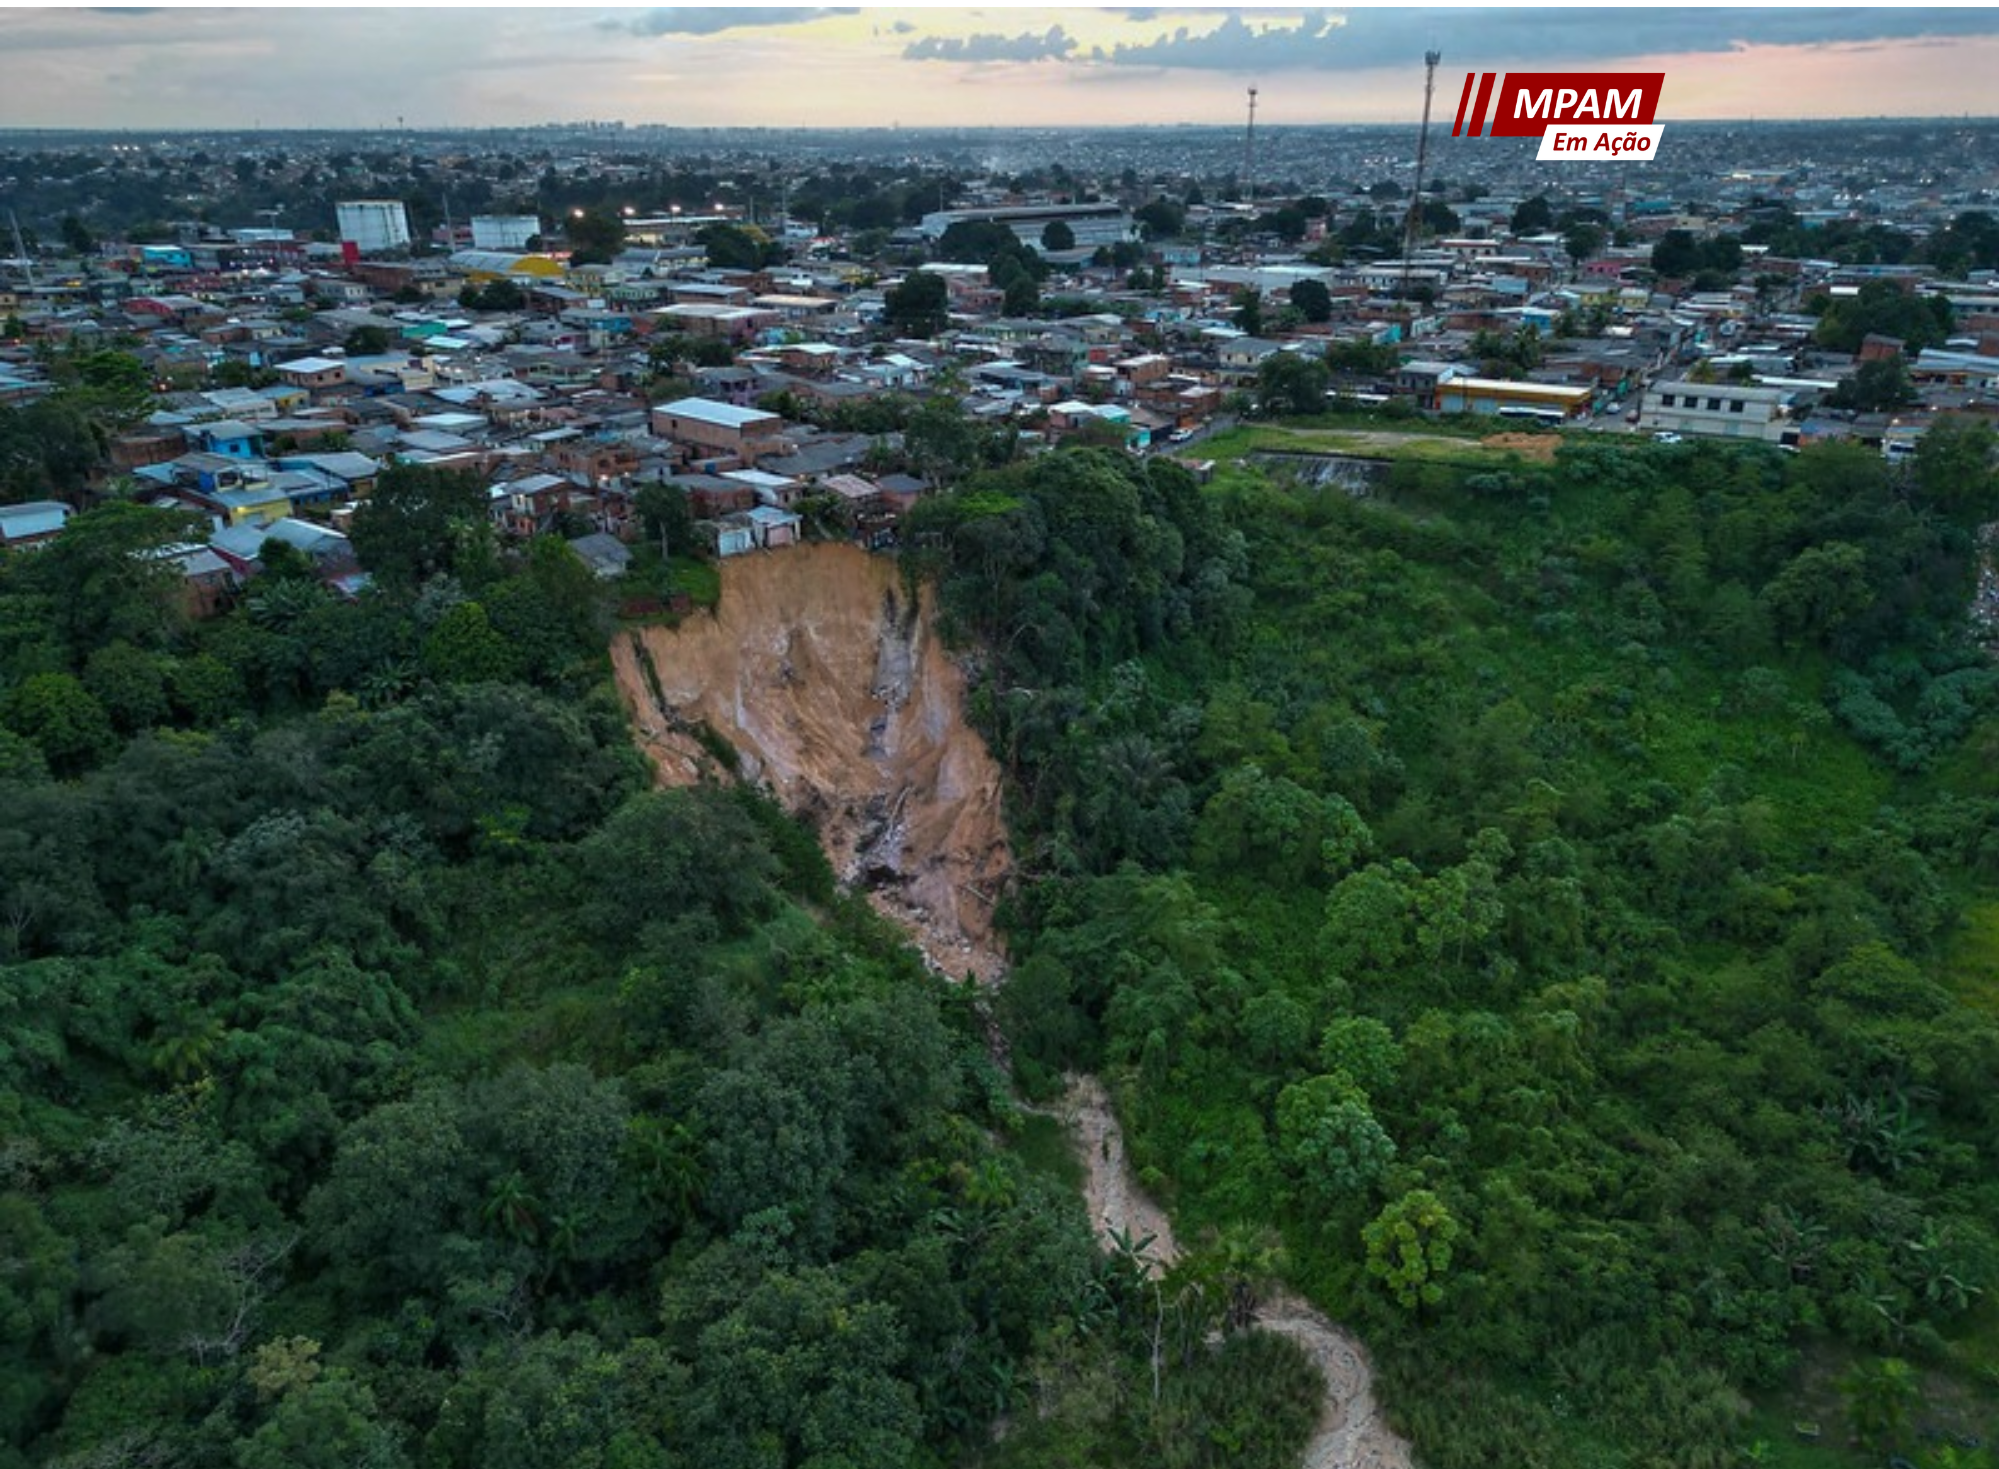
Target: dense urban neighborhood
(572, 318)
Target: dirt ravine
(836, 695)
(1351, 1433)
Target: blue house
(229, 437)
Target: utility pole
(21, 248)
(1430, 60)
(1249, 154)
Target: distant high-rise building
(374, 226)
(503, 231)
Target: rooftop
(723, 415)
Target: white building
(374, 226)
(1091, 225)
(1717, 410)
(503, 231)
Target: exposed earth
(1350, 1433)
(836, 695)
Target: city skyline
(139, 68)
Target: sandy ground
(1527, 446)
(1351, 1433)
(838, 697)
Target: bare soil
(837, 697)
(1528, 446)
(1351, 1433)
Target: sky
(695, 66)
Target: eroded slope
(836, 694)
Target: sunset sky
(1002, 65)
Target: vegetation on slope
(389, 1077)
(1538, 891)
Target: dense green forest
(1563, 897)
(389, 1077)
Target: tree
(1313, 300)
(329, 1421)
(735, 247)
(1291, 383)
(1357, 358)
(1330, 1138)
(1535, 216)
(1877, 384)
(421, 521)
(62, 717)
(368, 341)
(1163, 218)
(1676, 256)
(76, 237)
(976, 242)
(464, 648)
(1955, 468)
(1882, 308)
(595, 236)
(664, 509)
(941, 441)
(500, 294)
(130, 683)
(108, 578)
(1249, 312)
(1879, 1399)
(1409, 1248)
(1435, 217)
(1058, 236)
(1364, 1049)
(1022, 292)
(1582, 241)
(1818, 592)
(919, 306)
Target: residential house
(242, 546)
(774, 527)
(780, 490)
(709, 430)
(226, 437)
(314, 374)
(606, 556)
(209, 582)
(1241, 357)
(32, 522)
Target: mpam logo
(1599, 115)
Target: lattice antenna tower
(1415, 220)
(1249, 154)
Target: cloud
(712, 20)
(1491, 38)
(1053, 44)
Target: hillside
(828, 683)
(1553, 897)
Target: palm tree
(513, 1210)
(666, 1158)
(182, 1049)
